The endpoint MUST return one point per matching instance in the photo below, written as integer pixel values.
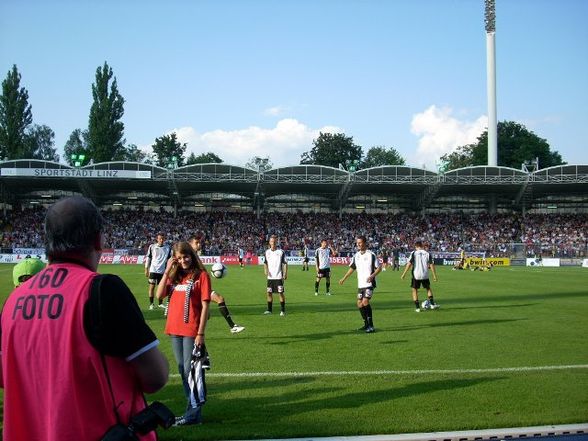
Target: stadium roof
(408, 188)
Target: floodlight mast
(490, 22)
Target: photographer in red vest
(77, 355)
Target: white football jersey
(365, 264)
(420, 260)
(322, 256)
(274, 261)
(157, 258)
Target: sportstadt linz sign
(75, 173)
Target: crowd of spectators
(561, 235)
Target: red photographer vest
(55, 386)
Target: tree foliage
(77, 144)
(260, 164)
(40, 143)
(134, 154)
(203, 158)
(15, 117)
(460, 157)
(166, 148)
(379, 155)
(105, 128)
(516, 145)
(333, 149)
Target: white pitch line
(395, 372)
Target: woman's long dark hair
(176, 273)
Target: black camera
(156, 414)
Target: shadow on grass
(378, 304)
(322, 304)
(522, 305)
(282, 340)
(277, 383)
(261, 408)
(452, 324)
(518, 297)
(340, 302)
(309, 400)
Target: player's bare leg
(224, 310)
(365, 309)
(270, 303)
(415, 298)
(316, 284)
(151, 295)
(431, 300)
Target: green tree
(460, 157)
(379, 155)
(203, 158)
(166, 148)
(134, 154)
(15, 117)
(516, 145)
(76, 145)
(333, 149)
(40, 143)
(259, 163)
(105, 128)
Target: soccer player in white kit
(155, 262)
(420, 261)
(322, 257)
(275, 268)
(366, 264)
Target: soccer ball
(218, 270)
(426, 304)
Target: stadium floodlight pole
(490, 21)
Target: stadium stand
(485, 209)
(555, 235)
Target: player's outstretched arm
(434, 271)
(347, 274)
(374, 274)
(406, 268)
(147, 262)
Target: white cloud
(439, 133)
(275, 111)
(283, 144)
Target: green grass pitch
(461, 367)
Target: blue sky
(245, 78)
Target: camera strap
(96, 304)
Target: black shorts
(155, 278)
(385, 259)
(325, 272)
(425, 283)
(365, 293)
(275, 286)
(240, 260)
(305, 260)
